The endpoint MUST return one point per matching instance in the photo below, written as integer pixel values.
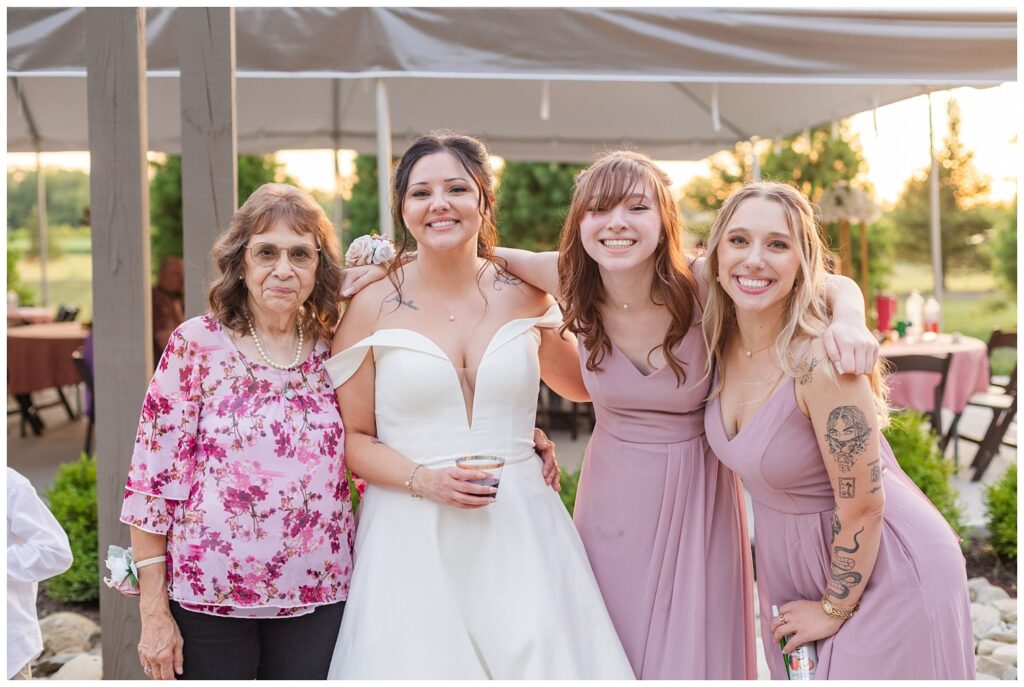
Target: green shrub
(569, 481)
(1001, 510)
(916, 449)
(73, 502)
(26, 296)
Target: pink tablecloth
(26, 315)
(39, 356)
(968, 373)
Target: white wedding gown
(501, 592)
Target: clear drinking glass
(492, 465)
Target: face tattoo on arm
(847, 433)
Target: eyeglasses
(267, 254)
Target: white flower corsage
(124, 576)
(124, 571)
(371, 249)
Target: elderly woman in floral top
(238, 475)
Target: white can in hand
(802, 663)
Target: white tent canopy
(537, 84)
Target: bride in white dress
(452, 580)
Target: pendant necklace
(451, 311)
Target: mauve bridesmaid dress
(664, 524)
(914, 620)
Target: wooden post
(864, 287)
(209, 169)
(845, 251)
(119, 196)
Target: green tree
(362, 213)
(26, 295)
(1003, 250)
(67, 197)
(963, 221)
(165, 197)
(533, 199)
(812, 163)
(729, 170)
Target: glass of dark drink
(491, 465)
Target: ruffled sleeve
(167, 439)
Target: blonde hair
(607, 182)
(267, 205)
(807, 313)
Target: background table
(968, 373)
(39, 357)
(19, 316)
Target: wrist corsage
(124, 571)
(371, 249)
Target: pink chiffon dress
(914, 620)
(664, 524)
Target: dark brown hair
(473, 156)
(268, 205)
(606, 183)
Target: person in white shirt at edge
(37, 549)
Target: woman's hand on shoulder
(851, 347)
(355, 279)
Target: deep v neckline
(469, 406)
(633, 366)
(784, 383)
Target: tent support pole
(933, 197)
(44, 287)
(383, 159)
(339, 201)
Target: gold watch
(836, 612)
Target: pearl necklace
(263, 354)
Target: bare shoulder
(363, 313)
(516, 296)
(813, 366)
(501, 278)
(817, 382)
(369, 303)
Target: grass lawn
(69, 278)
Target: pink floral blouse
(242, 466)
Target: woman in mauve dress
(849, 550)
(663, 521)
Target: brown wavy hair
(807, 312)
(607, 182)
(472, 154)
(268, 205)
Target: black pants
(219, 648)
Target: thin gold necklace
(451, 311)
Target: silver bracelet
(408, 482)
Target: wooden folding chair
(927, 363)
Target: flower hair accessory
(371, 249)
(124, 571)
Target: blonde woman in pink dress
(663, 521)
(849, 550)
